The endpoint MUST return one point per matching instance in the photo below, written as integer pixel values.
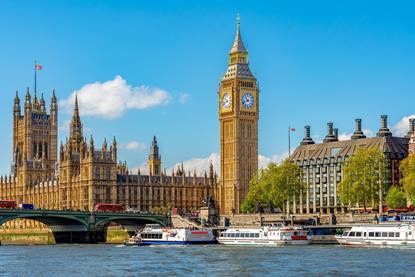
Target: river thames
(214, 260)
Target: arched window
(40, 150)
(45, 148)
(34, 150)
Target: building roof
(393, 147)
(238, 71)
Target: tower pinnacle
(238, 45)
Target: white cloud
(263, 161)
(202, 164)
(133, 145)
(199, 164)
(401, 128)
(142, 167)
(112, 98)
(183, 98)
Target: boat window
(232, 235)
(410, 233)
(371, 234)
(364, 234)
(351, 234)
(238, 235)
(252, 235)
(397, 234)
(377, 234)
(358, 234)
(384, 234)
(391, 234)
(257, 235)
(345, 234)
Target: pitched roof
(393, 147)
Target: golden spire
(238, 45)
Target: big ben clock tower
(238, 115)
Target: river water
(213, 260)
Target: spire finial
(76, 101)
(238, 20)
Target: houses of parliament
(78, 173)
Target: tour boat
(135, 241)
(379, 234)
(155, 234)
(270, 235)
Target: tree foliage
(395, 198)
(363, 178)
(272, 187)
(407, 168)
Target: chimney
(307, 136)
(336, 133)
(358, 133)
(330, 134)
(411, 128)
(384, 131)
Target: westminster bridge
(82, 226)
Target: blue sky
(316, 61)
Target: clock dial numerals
(226, 101)
(248, 100)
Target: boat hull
(163, 242)
(373, 242)
(264, 242)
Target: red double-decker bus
(8, 204)
(103, 207)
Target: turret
(384, 130)
(91, 148)
(16, 107)
(61, 153)
(54, 108)
(154, 159)
(28, 101)
(114, 150)
(42, 104)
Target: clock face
(226, 101)
(248, 100)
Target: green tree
(395, 198)
(407, 168)
(254, 197)
(363, 178)
(273, 187)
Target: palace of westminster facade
(82, 175)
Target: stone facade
(83, 176)
(322, 164)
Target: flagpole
(35, 76)
(289, 141)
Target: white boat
(155, 234)
(271, 235)
(379, 234)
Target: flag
(292, 129)
(38, 67)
